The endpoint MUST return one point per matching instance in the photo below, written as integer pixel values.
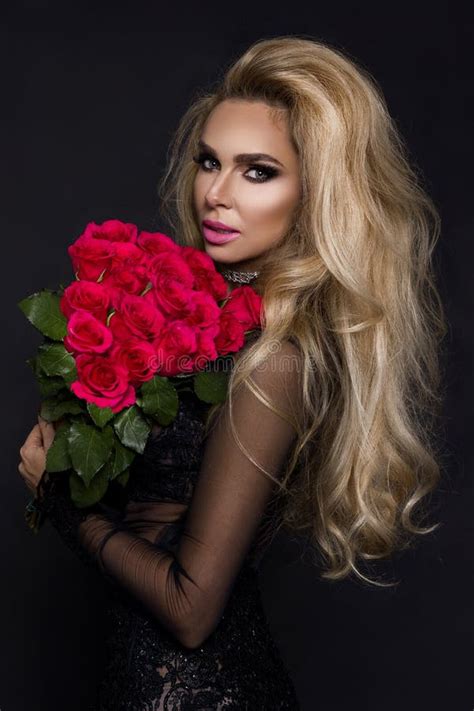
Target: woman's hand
(33, 453)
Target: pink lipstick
(217, 232)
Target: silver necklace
(239, 277)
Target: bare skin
(224, 190)
(33, 453)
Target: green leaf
(54, 359)
(83, 495)
(54, 408)
(71, 376)
(132, 429)
(123, 478)
(43, 311)
(120, 459)
(99, 415)
(159, 398)
(106, 469)
(57, 457)
(211, 387)
(49, 387)
(89, 448)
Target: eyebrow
(242, 157)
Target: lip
(215, 238)
(218, 225)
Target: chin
(217, 253)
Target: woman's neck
(237, 277)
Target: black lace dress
(179, 550)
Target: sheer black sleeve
(54, 503)
(185, 583)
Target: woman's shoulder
(282, 368)
(285, 365)
(285, 351)
(290, 346)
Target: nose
(219, 192)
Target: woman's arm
(51, 496)
(186, 588)
(54, 502)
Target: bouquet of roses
(144, 320)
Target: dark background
(91, 94)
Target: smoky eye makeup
(268, 170)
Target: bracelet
(32, 506)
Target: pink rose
(170, 266)
(214, 283)
(206, 278)
(174, 300)
(112, 231)
(175, 349)
(103, 382)
(197, 259)
(205, 311)
(127, 254)
(132, 280)
(136, 316)
(156, 243)
(87, 296)
(231, 336)
(86, 334)
(90, 257)
(245, 304)
(138, 358)
(205, 348)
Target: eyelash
(269, 170)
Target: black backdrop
(90, 97)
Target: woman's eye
(268, 171)
(201, 159)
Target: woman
(325, 429)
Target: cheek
(200, 188)
(272, 208)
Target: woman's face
(255, 196)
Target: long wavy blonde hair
(352, 285)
